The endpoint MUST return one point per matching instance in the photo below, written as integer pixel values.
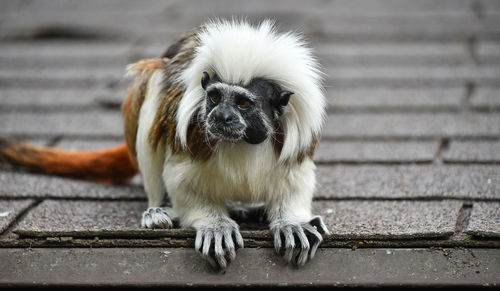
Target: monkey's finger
(317, 221)
(207, 241)
(228, 241)
(277, 240)
(314, 238)
(238, 238)
(146, 221)
(218, 250)
(160, 218)
(289, 243)
(199, 240)
(304, 246)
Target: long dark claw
(299, 241)
(218, 245)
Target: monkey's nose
(226, 117)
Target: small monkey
(230, 112)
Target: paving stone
(10, 209)
(486, 98)
(92, 5)
(83, 216)
(485, 219)
(353, 151)
(350, 219)
(168, 267)
(389, 219)
(62, 78)
(100, 123)
(488, 52)
(49, 98)
(64, 49)
(89, 63)
(372, 98)
(414, 76)
(408, 182)
(391, 53)
(17, 184)
(412, 125)
(473, 151)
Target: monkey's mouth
(224, 132)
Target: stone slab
(62, 78)
(412, 76)
(64, 49)
(486, 98)
(49, 98)
(488, 52)
(395, 98)
(83, 216)
(180, 267)
(82, 123)
(345, 219)
(374, 151)
(408, 182)
(10, 210)
(473, 151)
(485, 220)
(389, 219)
(391, 54)
(18, 184)
(412, 125)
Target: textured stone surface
(412, 125)
(473, 151)
(10, 209)
(67, 78)
(408, 182)
(488, 52)
(256, 267)
(389, 219)
(52, 99)
(385, 151)
(395, 98)
(81, 216)
(392, 54)
(415, 76)
(485, 219)
(101, 123)
(16, 184)
(486, 98)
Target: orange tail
(111, 166)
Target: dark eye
(214, 97)
(243, 104)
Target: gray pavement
(408, 167)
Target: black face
(235, 113)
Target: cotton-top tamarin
(230, 112)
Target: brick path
(409, 157)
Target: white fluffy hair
(239, 52)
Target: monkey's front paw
(156, 217)
(298, 241)
(218, 244)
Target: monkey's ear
(283, 102)
(204, 80)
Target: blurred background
(407, 81)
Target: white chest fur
(240, 171)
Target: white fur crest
(239, 52)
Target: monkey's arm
(297, 233)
